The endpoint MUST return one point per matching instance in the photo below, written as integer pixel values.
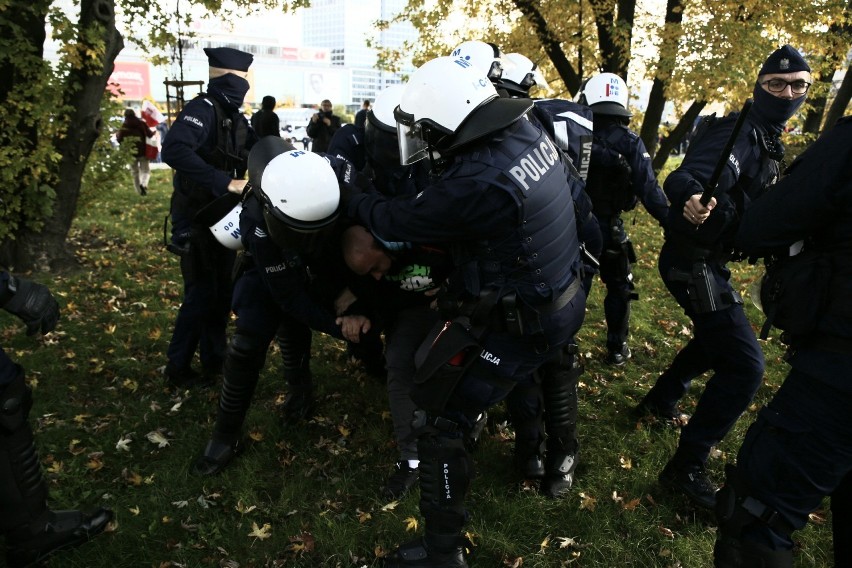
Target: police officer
(499, 200)
(799, 450)
(287, 282)
(32, 531)
(620, 176)
(549, 403)
(692, 263)
(207, 147)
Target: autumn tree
(51, 115)
(702, 52)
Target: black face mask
(773, 112)
(230, 89)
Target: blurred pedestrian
(136, 131)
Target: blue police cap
(228, 58)
(785, 59)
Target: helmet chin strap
(437, 163)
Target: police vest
(569, 124)
(610, 185)
(539, 257)
(228, 153)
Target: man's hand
(237, 186)
(33, 303)
(695, 212)
(315, 117)
(353, 326)
(327, 121)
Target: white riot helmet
(606, 94)
(485, 57)
(380, 127)
(520, 75)
(222, 217)
(299, 192)
(447, 104)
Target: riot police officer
(288, 279)
(620, 176)
(32, 531)
(799, 450)
(692, 263)
(549, 403)
(207, 146)
(500, 201)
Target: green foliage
(100, 408)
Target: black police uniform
(693, 266)
(505, 212)
(31, 530)
(549, 400)
(283, 292)
(207, 146)
(799, 449)
(348, 143)
(620, 175)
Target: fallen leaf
(410, 524)
(243, 509)
(156, 437)
(666, 532)
(587, 502)
(123, 444)
(261, 533)
(134, 510)
(626, 463)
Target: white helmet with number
(222, 217)
(299, 191)
(446, 104)
(520, 75)
(485, 57)
(606, 94)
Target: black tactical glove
(33, 303)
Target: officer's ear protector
(299, 192)
(222, 217)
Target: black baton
(707, 195)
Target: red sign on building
(130, 81)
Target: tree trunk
(551, 44)
(841, 101)
(683, 128)
(47, 249)
(665, 66)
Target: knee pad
(246, 349)
(736, 510)
(15, 403)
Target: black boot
(58, 530)
(418, 553)
(294, 342)
(33, 532)
(445, 473)
(243, 361)
(525, 407)
(559, 387)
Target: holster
(449, 355)
(704, 292)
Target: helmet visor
(412, 146)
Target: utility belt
(704, 292)
(505, 313)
